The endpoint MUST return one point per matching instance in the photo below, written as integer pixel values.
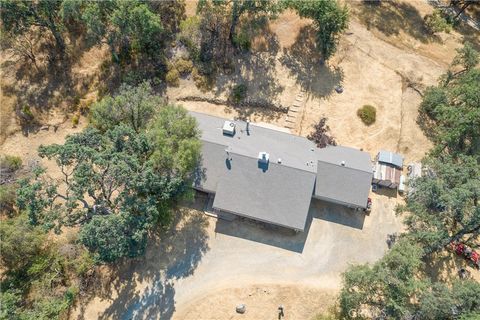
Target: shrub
(190, 35)
(320, 134)
(368, 114)
(173, 78)
(183, 66)
(202, 82)
(436, 22)
(26, 114)
(8, 197)
(242, 41)
(10, 163)
(75, 120)
(238, 93)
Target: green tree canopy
(329, 18)
(175, 137)
(116, 180)
(448, 302)
(128, 27)
(397, 287)
(133, 106)
(19, 16)
(443, 206)
(386, 287)
(451, 110)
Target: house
(387, 171)
(271, 176)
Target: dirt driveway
(207, 266)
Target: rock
(45, 128)
(241, 308)
(339, 89)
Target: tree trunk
(60, 42)
(461, 10)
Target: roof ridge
(338, 165)
(274, 163)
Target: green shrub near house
(368, 114)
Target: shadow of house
(170, 256)
(285, 238)
(304, 61)
(337, 214)
(264, 233)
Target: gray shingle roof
(280, 195)
(342, 185)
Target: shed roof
(390, 158)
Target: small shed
(391, 158)
(387, 169)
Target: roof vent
(279, 160)
(229, 128)
(263, 157)
(342, 163)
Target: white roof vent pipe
(279, 160)
(342, 163)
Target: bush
(320, 134)
(368, 114)
(173, 78)
(238, 93)
(75, 120)
(26, 114)
(242, 41)
(190, 35)
(10, 163)
(183, 66)
(202, 82)
(436, 22)
(8, 197)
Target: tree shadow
(444, 266)
(173, 255)
(40, 86)
(304, 61)
(257, 70)
(391, 17)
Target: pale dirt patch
(262, 302)
(26, 147)
(375, 73)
